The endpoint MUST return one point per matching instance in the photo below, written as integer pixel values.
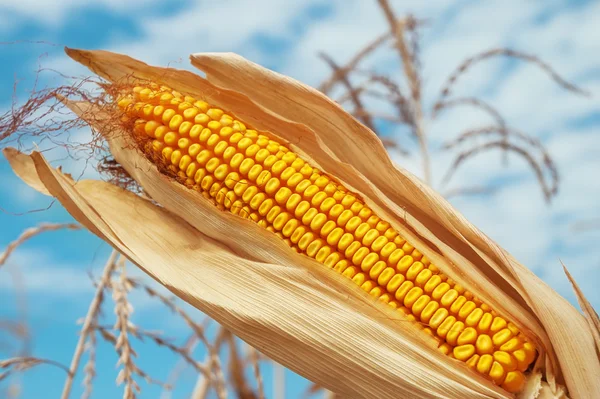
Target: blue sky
(286, 36)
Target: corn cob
(250, 175)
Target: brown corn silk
(350, 351)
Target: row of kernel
(216, 160)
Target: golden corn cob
(257, 178)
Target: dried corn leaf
(289, 312)
(588, 309)
(324, 134)
(433, 217)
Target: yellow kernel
(423, 277)
(318, 198)
(212, 164)
(176, 157)
(334, 237)
(240, 187)
(485, 322)
(157, 146)
(232, 179)
(318, 221)
(464, 352)
(361, 230)
(456, 329)
(484, 344)
(403, 290)
(445, 327)
(272, 186)
(388, 249)
(323, 253)
(368, 285)
(502, 337)
(414, 270)
(171, 138)
(293, 202)
(468, 336)
(472, 362)
(507, 362)
(184, 162)
(473, 318)
(350, 272)
(345, 241)
(331, 259)
(341, 266)
(150, 127)
(449, 297)
(352, 223)
(420, 304)
(175, 121)
(344, 217)
(466, 309)
(438, 317)
(370, 237)
(498, 324)
(445, 349)
(513, 328)
(309, 215)
(359, 279)
(301, 208)
(458, 304)
(214, 126)
(485, 364)
(207, 182)
(412, 296)
(160, 132)
(360, 254)
(328, 227)
(395, 283)
(514, 381)
(221, 171)
(275, 210)
(215, 113)
(386, 275)
(404, 264)
(200, 174)
(497, 373)
(372, 266)
(428, 311)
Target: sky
(53, 270)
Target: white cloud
(43, 274)
(53, 12)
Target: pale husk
(588, 310)
(304, 317)
(317, 128)
(434, 218)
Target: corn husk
(288, 306)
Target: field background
(46, 284)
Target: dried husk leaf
(314, 125)
(298, 136)
(406, 197)
(588, 309)
(317, 128)
(189, 204)
(434, 218)
(304, 317)
(253, 241)
(22, 165)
